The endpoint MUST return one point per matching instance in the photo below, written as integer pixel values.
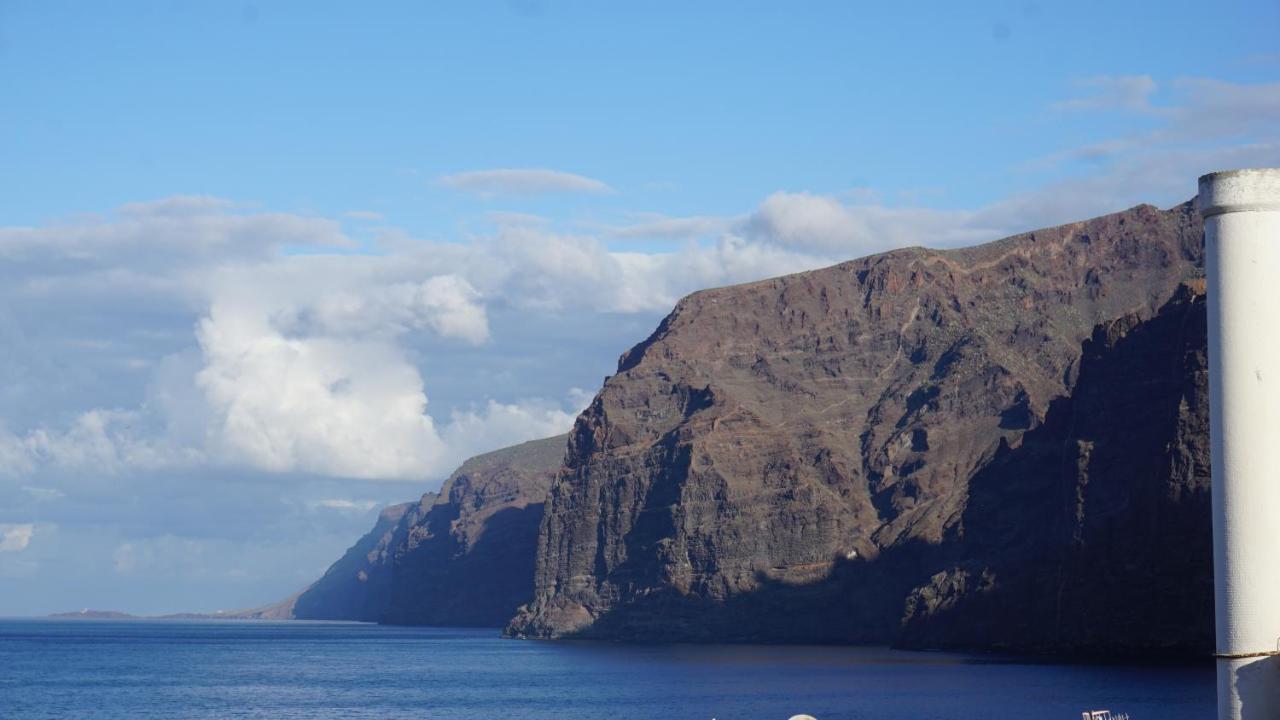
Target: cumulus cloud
(315, 363)
(297, 363)
(475, 431)
(303, 367)
(515, 181)
(98, 441)
(354, 408)
(445, 304)
(14, 538)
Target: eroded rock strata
(466, 556)
(998, 447)
(462, 556)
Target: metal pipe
(1241, 210)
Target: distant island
(87, 614)
(254, 614)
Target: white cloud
(504, 217)
(662, 227)
(513, 181)
(823, 224)
(177, 206)
(1112, 92)
(1206, 125)
(1209, 110)
(368, 215)
(310, 363)
(180, 229)
(102, 442)
(1203, 114)
(473, 432)
(350, 407)
(344, 505)
(43, 493)
(14, 538)
(125, 558)
(303, 370)
(299, 364)
(539, 270)
(445, 304)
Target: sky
(267, 267)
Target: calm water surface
(160, 669)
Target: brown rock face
(466, 556)
(904, 448)
(357, 585)
(463, 556)
(1093, 535)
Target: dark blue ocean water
(82, 669)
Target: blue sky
(327, 107)
(267, 266)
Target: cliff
(357, 586)
(466, 557)
(998, 447)
(462, 556)
(1093, 535)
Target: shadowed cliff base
(1094, 535)
(443, 583)
(855, 603)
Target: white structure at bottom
(1241, 209)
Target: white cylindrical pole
(1241, 210)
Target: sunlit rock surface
(998, 447)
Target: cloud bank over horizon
(189, 377)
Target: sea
(218, 669)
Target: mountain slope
(462, 556)
(465, 557)
(838, 455)
(355, 587)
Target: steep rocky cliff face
(1002, 446)
(462, 556)
(1093, 535)
(466, 556)
(355, 587)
